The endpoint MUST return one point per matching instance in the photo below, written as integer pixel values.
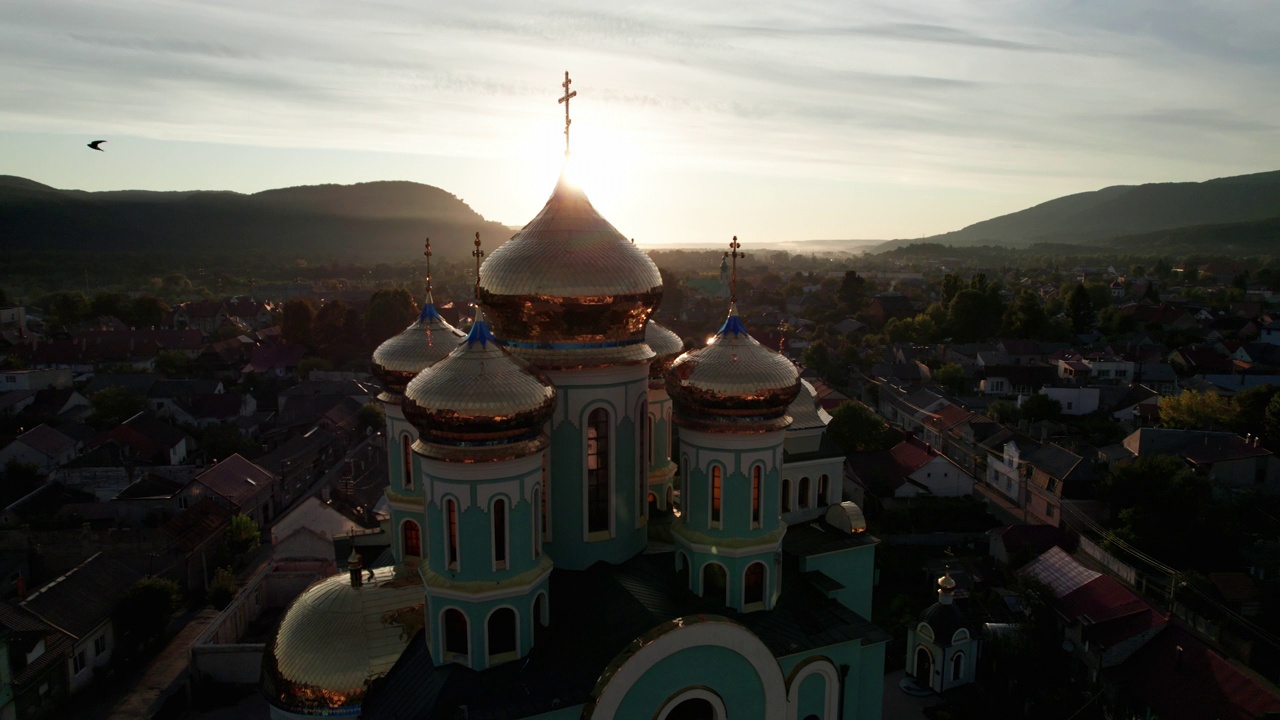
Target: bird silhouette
(95, 145)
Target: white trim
(510, 489)
(447, 654)
(713, 523)
(460, 491)
(717, 705)
(449, 541)
(505, 563)
(404, 553)
(771, 547)
(535, 503)
(542, 618)
(766, 591)
(611, 475)
(489, 659)
(832, 687)
(405, 448)
(501, 591)
(702, 581)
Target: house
(1231, 462)
(42, 446)
(195, 536)
(1007, 473)
(33, 661)
(147, 440)
(57, 379)
(1075, 399)
(911, 468)
(1058, 477)
(52, 404)
(150, 500)
(81, 604)
(239, 485)
(884, 308)
(1015, 380)
(1018, 544)
(1138, 407)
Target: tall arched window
(451, 533)
(537, 522)
(650, 449)
(642, 467)
(756, 482)
(804, 492)
(406, 461)
(957, 666)
(715, 494)
(753, 585)
(502, 632)
(546, 492)
(455, 632)
(598, 471)
(714, 582)
(500, 533)
(786, 495)
(822, 490)
(412, 539)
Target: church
(589, 521)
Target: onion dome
(569, 290)
(479, 399)
(666, 346)
(734, 384)
(424, 343)
(335, 639)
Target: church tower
(572, 296)
(666, 346)
(481, 413)
(396, 361)
(731, 401)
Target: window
(649, 447)
(78, 663)
(823, 482)
(715, 495)
(786, 496)
(804, 492)
(502, 633)
(451, 532)
(957, 665)
(546, 490)
(756, 482)
(100, 645)
(537, 523)
(500, 534)
(412, 539)
(1069, 404)
(753, 587)
(406, 460)
(598, 471)
(1049, 510)
(642, 469)
(455, 632)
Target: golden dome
(946, 583)
(424, 343)
(569, 289)
(666, 346)
(335, 639)
(733, 384)
(479, 396)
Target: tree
(147, 311)
(1025, 317)
(1195, 410)
(974, 314)
(1040, 407)
(224, 440)
(854, 427)
(330, 333)
(1003, 411)
(817, 357)
(1080, 310)
(65, 308)
(112, 406)
(222, 589)
(145, 611)
(172, 364)
(951, 377)
(1159, 501)
(853, 291)
(370, 418)
(243, 535)
(1251, 409)
(296, 319)
(390, 311)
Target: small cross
(567, 97)
(427, 254)
(477, 254)
(733, 276)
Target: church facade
(590, 522)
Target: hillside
(379, 221)
(1122, 210)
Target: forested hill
(378, 221)
(1090, 217)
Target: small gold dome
(424, 343)
(335, 639)
(569, 290)
(946, 583)
(479, 396)
(734, 384)
(666, 346)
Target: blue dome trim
(428, 313)
(732, 324)
(568, 346)
(480, 334)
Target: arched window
(753, 585)
(406, 461)
(714, 582)
(642, 467)
(786, 496)
(693, 709)
(546, 492)
(500, 533)
(412, 539)
(957, 666)
(823, 482)
(455, 632)
(756, 482)
(804, 492)
(451, 532)
(715, 495)
(502, 633)
(650, 449)
(537, 522)
(598, 471)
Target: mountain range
(1244, 208)
(378, 221)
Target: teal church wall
(854, 568)
(726, 673)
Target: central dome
(569, 289)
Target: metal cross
(733, 275)
(427, 254)
(567, 97)
(477, 254)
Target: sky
(694, 121)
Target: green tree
(114, 304)
(370, 418)
(308, 365)
(853, 291)
(974, 314)
(172, 364)
(222, 589)
(1024, 317)
(112, 406)
(854, 427)
(951, 377)
(817, 357)
(148, 311)
(224, 440)
(330, 332)
(1080, 310)
(66, 308)
(243, 535)
(1003, 411)
(1251, 409)
(145, 611)
(296, 321)
(390, 311)
(1160, 505)
(1040, 407)
(1195, 410)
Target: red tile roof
(236, 479)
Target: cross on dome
(427, 254)
(567, 97)
(477, 254)
(733, 273)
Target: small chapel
(588, 521)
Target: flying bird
(95, 145)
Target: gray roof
(84, 598)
